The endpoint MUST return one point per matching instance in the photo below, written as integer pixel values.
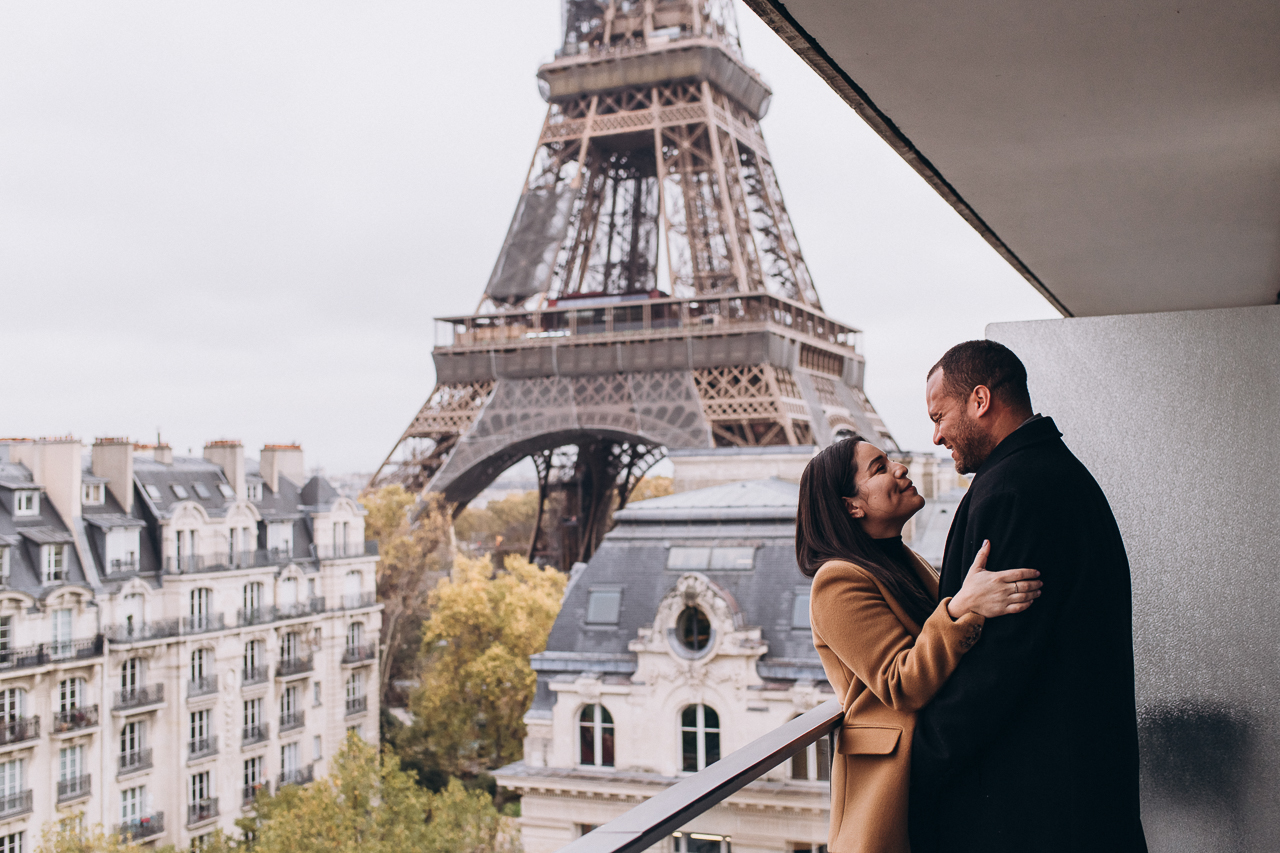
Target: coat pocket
(868, 740)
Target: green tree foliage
(367, 804)
(476, 682)
(504, 525)
(651, 487)
(70, 836)
(414, 547)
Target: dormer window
(55, 563)
(202, 491)
(227, 491)
(153, 492)
(26, 503)
(254, 491)
(92, 494)
(179, 490)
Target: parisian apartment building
(176, 634)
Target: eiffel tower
(650, 292)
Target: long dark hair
(825, 530)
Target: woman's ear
(853, 508)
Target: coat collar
(1033, 431)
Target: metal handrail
(202, 686)
(356, 600)
(255, 674)
(292, 720)
(142, 827)
(360, 652)
(659, 816)
(147, 694)
(138, 759)
(202, 810)
(75, 718)
(255, 733)
(12, 805)
(357, 705)
(293, 666)
(129, 633)
(17, 729)
(202, 747)
(297, 776)
(43, 653)
(74, 788)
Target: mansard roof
(185, 472)
(26, 535)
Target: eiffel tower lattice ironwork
(650, 292)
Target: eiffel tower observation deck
(650, 292)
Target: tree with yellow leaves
(476, 683)
(367, 804)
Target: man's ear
(853, 508)
(979, 401)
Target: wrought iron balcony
(294, 666)
(203, 622)
(250, 792)
(357, 705)
(290, 720)
(45, 653)
(355, 600)
(363, 652)
(129, 565)
(143, 827)
(656, 818)
(256, 616)
(149, 694)
(349, 549)
(74, 788)
(130, 632)
(297, 776)
(18, 729)
(75, 718)
(131, 762)
(199, 812)
(202, 686)
(12, 805)
(202, 747)
(255, 733)
(255, 674)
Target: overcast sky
(237, 219)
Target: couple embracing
(990, 708)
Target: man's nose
(937, 434)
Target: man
(1032, 745)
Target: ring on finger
(1016, 588)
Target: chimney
(113, 459)
(280, 459)
(164, 454)
(228, 454)
(54, 464)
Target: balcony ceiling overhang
(1123, 156)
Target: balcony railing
(255, 733)
(224, 560)
(665, 813)
(250, 792)
(255, 616)
(138, 697)
(353, 600)
(255, 674)
(301, 608)
(202, 686)
(44, 653)
(199, 812)
(131, 762)
(202, 623)
(298, 776)
(18, 729)
(129, 565)
(12, 805)
(292, 720)
(131, 632)
(356, 654)
(357, 705)
(74, 788)
(143, 827)
(75, 718)
(294, 666)
(202, 747)
(349, 549)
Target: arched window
(595, 736)
(699, 737)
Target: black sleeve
(976, 703)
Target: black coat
(1032, 745)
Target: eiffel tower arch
(650, 292)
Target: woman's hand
(992, 594)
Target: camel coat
(884, 667)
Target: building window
(289, 701)
(61, 623)
(253, 656)
(813, 764)
(252, 713)
(253, 491)
(252, 597)
(595, 736)
(201, 601)
(201, 842)
(130, 676)
(800, 608)
(200, 789)
(131, 741)
(26, 503)
(54, 563)
(603, 606)
(132, 805)
(352, 587)
(12, 842)
(13, 704)
(70, 694)
(735, 558)
(700, 842)
(6, 632)
(70, 764)
(179, 491)
(355, 636)
(289, 758)
(4, 569)
(289, 646)
(13, 775)
(254, 773)
(201, 663)
(699, 737)
(226, 490)
(279, 536)
(153, 492)
(356, 701)
(202, 491)
(693, 629)
(201, 731)
(316, 744)
(91, 494)
(316, 690)
(288, 595)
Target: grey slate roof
(25, 535)
(633, 558)
(185, 471)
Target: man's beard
(970, 446)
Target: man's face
(955, 427)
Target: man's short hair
(970, 364)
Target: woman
(886, 642)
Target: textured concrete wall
(1177, 416)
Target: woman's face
(886, 498)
